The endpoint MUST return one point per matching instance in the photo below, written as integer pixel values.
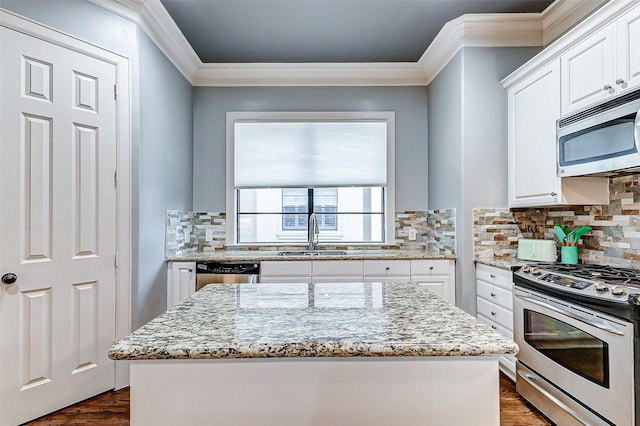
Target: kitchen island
(314, 354)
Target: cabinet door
(588, 71)
(534, 107)
(628, 50)
(440, 285)
(181, 282)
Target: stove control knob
(634, 298)
(600, 286)
(526, 269)
(618, 290)
(535, 271)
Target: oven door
(587, 355)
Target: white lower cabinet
(292, 271)
(181, 282)
(494, 289)
(336, 271)
(438, 275)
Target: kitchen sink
(313, 253)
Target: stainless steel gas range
(577, 327)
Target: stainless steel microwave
(603, 140)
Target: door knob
(9, 278)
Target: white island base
(316, 391)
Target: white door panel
(58, 226)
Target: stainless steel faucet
(312, 232)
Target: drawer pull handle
(493, 294)
(493, 313)
(492, 275)
(387, 268)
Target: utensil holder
(569, 254)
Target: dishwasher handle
(223, 268)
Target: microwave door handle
(597, 324)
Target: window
(283, 167)
(322, 201)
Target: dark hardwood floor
(112, 408)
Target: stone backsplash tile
(187, 232)
(495, 234)
(441, 231)
(614, 240)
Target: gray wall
(468, 145)
(162, 147)
(211, 105)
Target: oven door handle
(594, 323)
(530, 379)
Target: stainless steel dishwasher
(226, 272)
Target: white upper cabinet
(588, 71)
(628, 30)
(534, 107)
(603, 64)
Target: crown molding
(561, 16)
(472, 30)
(311, 74)
(156, 22)
(480, 30)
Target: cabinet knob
(493, 295)
(190, 270)
(606, 87)
(553, 194)
(387, 268)
(431, 268)
(492, 275)
(493, 313)
(620, 81)
(494, 327)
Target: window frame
(231, 198)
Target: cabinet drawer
(495, 294)
(288, 267)
(500, 329)
(496, 313)
(493, 275)
(337, 267)
(430, 267)
(387, 268)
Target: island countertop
(312, 320)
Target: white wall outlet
(412, 234)
(208, 234)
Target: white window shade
(310, 154)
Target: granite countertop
(312, 320)
(257, 255)
(509, 263)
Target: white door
(57, 226)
